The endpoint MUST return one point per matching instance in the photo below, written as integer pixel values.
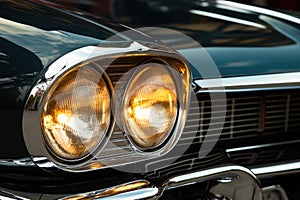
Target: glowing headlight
(150, 106)
(77, 115)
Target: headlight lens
(77, 115)
(150, 106)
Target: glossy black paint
(32, 36)
(240, 42)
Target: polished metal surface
(248, 115)
(178, 180)
(233, 182)
(230, 181)
(119, 151)
(251, 83)
(24, 162)
(140, 189)
(276, 169)
(158, 169)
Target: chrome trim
(23, 162)
(285, 168)
(140, 189)
(230, 181)
(226, 176)
(203, 175)
(251, 83)
(32, 132)
(260, 146)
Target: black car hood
(238, 39)
(32, 37)
(241, 61)
(238, 60)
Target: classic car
(202, 102)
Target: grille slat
(245, 116)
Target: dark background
(102, 7)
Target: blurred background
(102, 7)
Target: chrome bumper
(230, 182)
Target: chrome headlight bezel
(32, 132)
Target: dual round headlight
(150, 106)
(77, 117)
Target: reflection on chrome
(38, 100)
(133, 190)
(280, 168)
(252, 82)
(263, 11)
(226, 7)
(226, 18)
(209, 172)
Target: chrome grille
(118, 145)
(276, 153)
(188, 161)
(245, 116)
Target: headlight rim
(32, 108)
(105, 138)
(167, 141)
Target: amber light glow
(150, 108)
(77, 114)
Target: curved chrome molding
(23, 162)
(279, 169)
(231, 181)
(251, 83)
(228, 176)
(205, 174)
(32, 132)
(140, 189)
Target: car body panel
(34, 36)
(29, 44)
